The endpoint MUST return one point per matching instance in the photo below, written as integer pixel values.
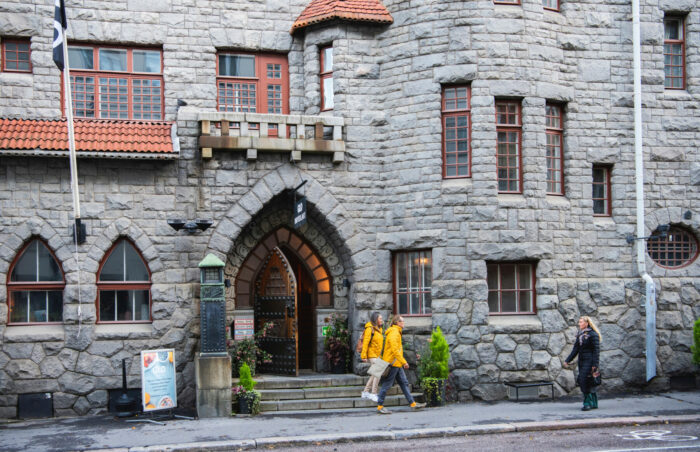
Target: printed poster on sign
(158, 388)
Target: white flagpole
(71, 133)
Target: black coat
(587, 347)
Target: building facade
(467, 164)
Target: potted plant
(433, 368)
(337, 344)
(248, 351)
(696, 340)
(247, 398)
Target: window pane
(401, 276)
(237, 65)
(507, 277)
(113, 269)
(124, 306)
(146, 61)
(427, 271)
(112, 60)
(493, 301)
(135, 268)
(141, 311)
(415, 303)
(508, 302)
(107, 298)
(414, 271)
(19, 306)
(525, 301)
(80, 58)
(327, 59)
(55, 305)
(492, 277)
(328, 93)
(48, 267)
(672, 29)
(25, 268)
(37, 306)
(599, 206)
(524, 277)
(427, 303)
(403, 303)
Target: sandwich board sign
(158, 388)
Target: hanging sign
(158, 388)
(243, 328)
(300, 212)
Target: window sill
(418, 323)
(677, 94)
(530, 323)
(558, 201)
(603, 221)
(123, 331)
(511, 200)
(34, 333)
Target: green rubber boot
(586, 401)
(594, 400)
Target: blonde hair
(396, 319)
(590, 323)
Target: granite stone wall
(388, 195)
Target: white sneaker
(366, 395)
(374, 398)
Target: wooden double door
(284, 306)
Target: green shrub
(434, 361)
(696, 340)
(246, 380)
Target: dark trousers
(395, 373)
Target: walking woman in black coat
(587, 347)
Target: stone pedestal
(213, 379)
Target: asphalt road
(648, 438)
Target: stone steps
(319, 392)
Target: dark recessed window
(674, 53)
(511, 287)
(508, 156)
(456, 131)
(555, 144)
(413, 277)
(678, 249)
(16, 55)
(35, 288)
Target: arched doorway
(313, 289)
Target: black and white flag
(59, 28)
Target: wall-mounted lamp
(688, 215)
(190, 227)
(662, 234)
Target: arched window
(35, 286)
(677, 249)
(124, 286)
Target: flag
(59, 27)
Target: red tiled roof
(92, 136)
(355, 10)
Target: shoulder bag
(380, 368)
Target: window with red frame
(413, 276)
(35, 286)
(677, 249)
(509, 159)
(511, 287)
(601, 191)
(16, 55)
(551, 4)
(327, 78)
(116, 82)
(456, 131)
(555, 142)
(124, 286)
(255, 83)
(674, 53)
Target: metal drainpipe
(650, 295)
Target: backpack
(361, 340)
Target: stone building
(469, 164)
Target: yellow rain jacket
(393, 349)
(373, 349)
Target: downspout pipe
(650, 292)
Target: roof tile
(91, 135)
(355, 10)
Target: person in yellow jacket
(372, 340)
(393, 354)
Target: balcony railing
(257, 132)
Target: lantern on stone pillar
(212, 307)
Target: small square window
(16, 55)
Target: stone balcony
(257, 132)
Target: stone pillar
(213, 377)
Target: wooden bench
(518, 385)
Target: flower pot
(245, 405)
(435, 392)
(339, 368)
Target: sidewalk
(106, 432)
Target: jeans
(395, 373)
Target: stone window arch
(677, 249)
(123, 285)
(35, 285)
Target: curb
(437, 432)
